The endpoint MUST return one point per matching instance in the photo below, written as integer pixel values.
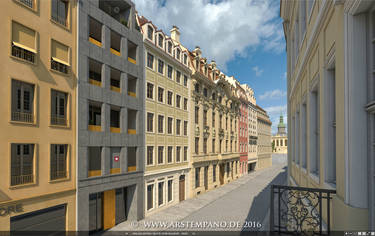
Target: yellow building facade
(330, 105)
(214, 127)
(37, 138)
(167, 118)
(264, 148)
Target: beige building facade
(38, 130)
(330, 105)
(167, 118)
(214, 136)
(264, 146)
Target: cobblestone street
(244, 200)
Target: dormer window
(185, 59)
(178, 54)
(170, 47)
(220, 99)
(150, 32)
(214, 96)
(205, 92)
(161, 40)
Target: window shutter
(60, 53)
(23, 37)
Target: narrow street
(244, 200)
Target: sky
(244, 37)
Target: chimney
(175, 34)
(197, 51)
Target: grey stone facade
(107, 98)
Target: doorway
(206, 177)
(221, 174)
(181, 188)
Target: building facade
(252, 128)
(214, 159)
(167, 118)
(243, 136)
(37, 138)
(264, 148)
(330, 51)
(280, 139)
(111, 115)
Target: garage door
(49, 219)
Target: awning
(24, 47)
(60, 61)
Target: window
(160, 124)
(205, 117)
(185, 59)
(150, 196)
(160, 94)
(22, 102)
(170, 71)
(178, 127)
(196, 145)
(170, 191)
(94, 161)
(58, 108)
(160, 66)
(185, 80)
(178, 101)
(95, 73)
(197, 172)
(214, 96)
(185, 127)
(95, 32)
(150, 155)
(160, 155)
(196, 88)
(22, 164)
(214, 173)
(185, 153)
(169, 47)
(23, 42)
(150, 32)
(178, 77)
(196, 115)
(213, 146)
(170, 123)
(28, 3)
(94, 114)
(150, 122)
(161, 193)
(160, 41)
(205, 145)
(132, 86)
(169, 98)
(205, 92)
(169, 154)
(178, 154)
(150, 91)
(150, 61)
(213, 119)
(58, 161)
(221, 121)
(185, 104)
(59, 57)
(59, 10)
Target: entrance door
(221, 174)
(109, 212)
(120, 205)
(182, 188)
(95, 212)
(49, 219)
(206, 177)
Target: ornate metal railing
(23, 54)
(300, 210)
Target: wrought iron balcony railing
(300, 209)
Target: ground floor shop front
(49, 212)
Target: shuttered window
(22, 101)
(22, 164)
(58, 161)
(60, 57)
(58, 108)
(23, 42)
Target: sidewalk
(188, 208)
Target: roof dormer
(150, 32)
(169, 46)
(160, 39)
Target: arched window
(161, 40)
(197, 88)
(169, 47)
(150, 32)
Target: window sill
(65, 27)
(22, 186)
(25, 61)
(61, 73)
(60, 126)
(22, 123)
(59, 180)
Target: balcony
(132, 86)
(95, 32)
(23, 52)
(58, 175)
(132, 52)
(21, 179)
(132, 121)
(119, 10)
(132, 159)
(28, 3)
(115, 80)
(22, 117)
(299, 209)
(115, 43)
(95, 73)
(115, 120)
(56, 120)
